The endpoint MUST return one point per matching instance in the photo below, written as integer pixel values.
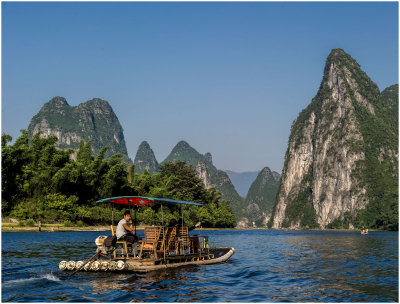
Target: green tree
(14, 159)
(45, 161)
(183, 181)
(43, 182)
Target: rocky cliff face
(331, 149)
(145, 159)
(209, 174)
(93, 120)
(260, 198)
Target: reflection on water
(268, 266)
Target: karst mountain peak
(93, 120)
(336, 145)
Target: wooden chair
(124, 245)
(151, 240)
(183, 241)
(170, 240)
(164, 240)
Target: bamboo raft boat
(161, 248)
(216, 255)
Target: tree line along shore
(15, 226)
(43, 183)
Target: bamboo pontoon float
(161, 248)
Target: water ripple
(268, 266)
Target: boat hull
(222, 255)
(215, 255)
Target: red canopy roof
(137, 201)
(143, 201)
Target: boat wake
(47, 277)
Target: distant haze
(242, 180)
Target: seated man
(124, 232)
(174, 223)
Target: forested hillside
(209, 174)
(42, 182)
(145, 159)
(261, 196)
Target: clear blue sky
(227, 77)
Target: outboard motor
(105, 244)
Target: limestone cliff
(93, 120)
(332, 162)
(145, 159)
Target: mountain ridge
(93, 120)
(260, 199)
(208, 173)
(145, 159)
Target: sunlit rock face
(322, 178)
(93, 121)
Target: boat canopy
(143, 201)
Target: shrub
(20, 211)
(30, 223)
(338, 224)
(61, 203)
(68, 223)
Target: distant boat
(364, 231)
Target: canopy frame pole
(112, 214)
(129, 206)
(163, 230)
(135, 208)
(182, 214)
(199, 235)
(183, 241)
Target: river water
(268, 266)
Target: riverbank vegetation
(41, 182)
